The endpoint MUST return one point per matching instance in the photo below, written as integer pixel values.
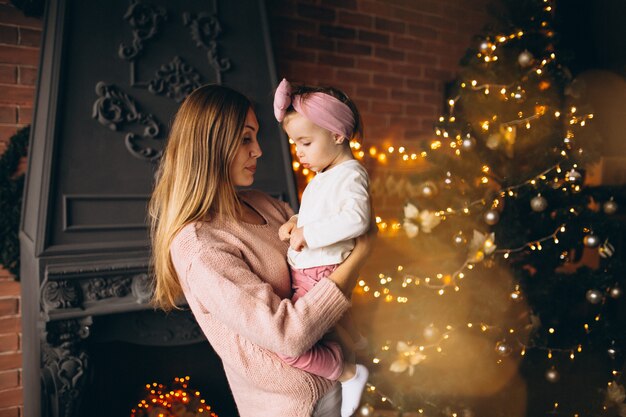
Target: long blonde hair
(193, 181)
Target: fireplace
(112, 75)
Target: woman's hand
(346, 274)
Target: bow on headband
(322, 109)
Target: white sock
(352, 389)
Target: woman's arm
(225, 288)
(346, 274)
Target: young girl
(335, 209)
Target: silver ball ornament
(468, 143)
(538, 203)
(609, 207)
(525, 58)
(430, 333)
(591, 240)
(503, 348)
(428, 189)
(459, 239)
(552, 375)
(366, 410)
(493, 141)
(594, 296)
(615, 292)
(491, 217)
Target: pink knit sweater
(236, 280)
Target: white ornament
(408, 357)
(552, 375)
(610, 207)
(594, 296)
(410, 228)
(525, 58)
(491, 217)
(538, 203)
(482, 244)
(410, 211)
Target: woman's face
(243, 166)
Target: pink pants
(325, 358)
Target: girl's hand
(297, 241)
(284, 232)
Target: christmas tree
(509, 302)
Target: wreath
(11, 190)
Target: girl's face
(243, 166)
(317, 148)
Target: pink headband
(322, 109)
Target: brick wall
(19, 58)
(393, 57)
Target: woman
(219, 248)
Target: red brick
(370, 92)
(8, 114)
(421, 85)
(24, 115)
(8, 34)
(388, 80)
(9, 343)
(410, 16)
(386, 25)
(420, 109)
(372, 65)
(406, 96)
(311, 74)
(355, 19)
(386, 107)
(9, 307)
(10, 287)
(10, 54)
(389, 54)
(315, 42)
(10, 412)
(320, 14)
(341, 32)
(336, 60)
(13, 94)
(9, 14)
(11, 397)
(10, 361)
(376, 8)
(406, 43)
(410, 70)
(362, 78)
(344, 4)
(374, 37)
(350, 48)
(422, 32)
(8, 74)
(30, 37)
(27, 75)
(424, 59)
(9, 379)
(10, 325)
